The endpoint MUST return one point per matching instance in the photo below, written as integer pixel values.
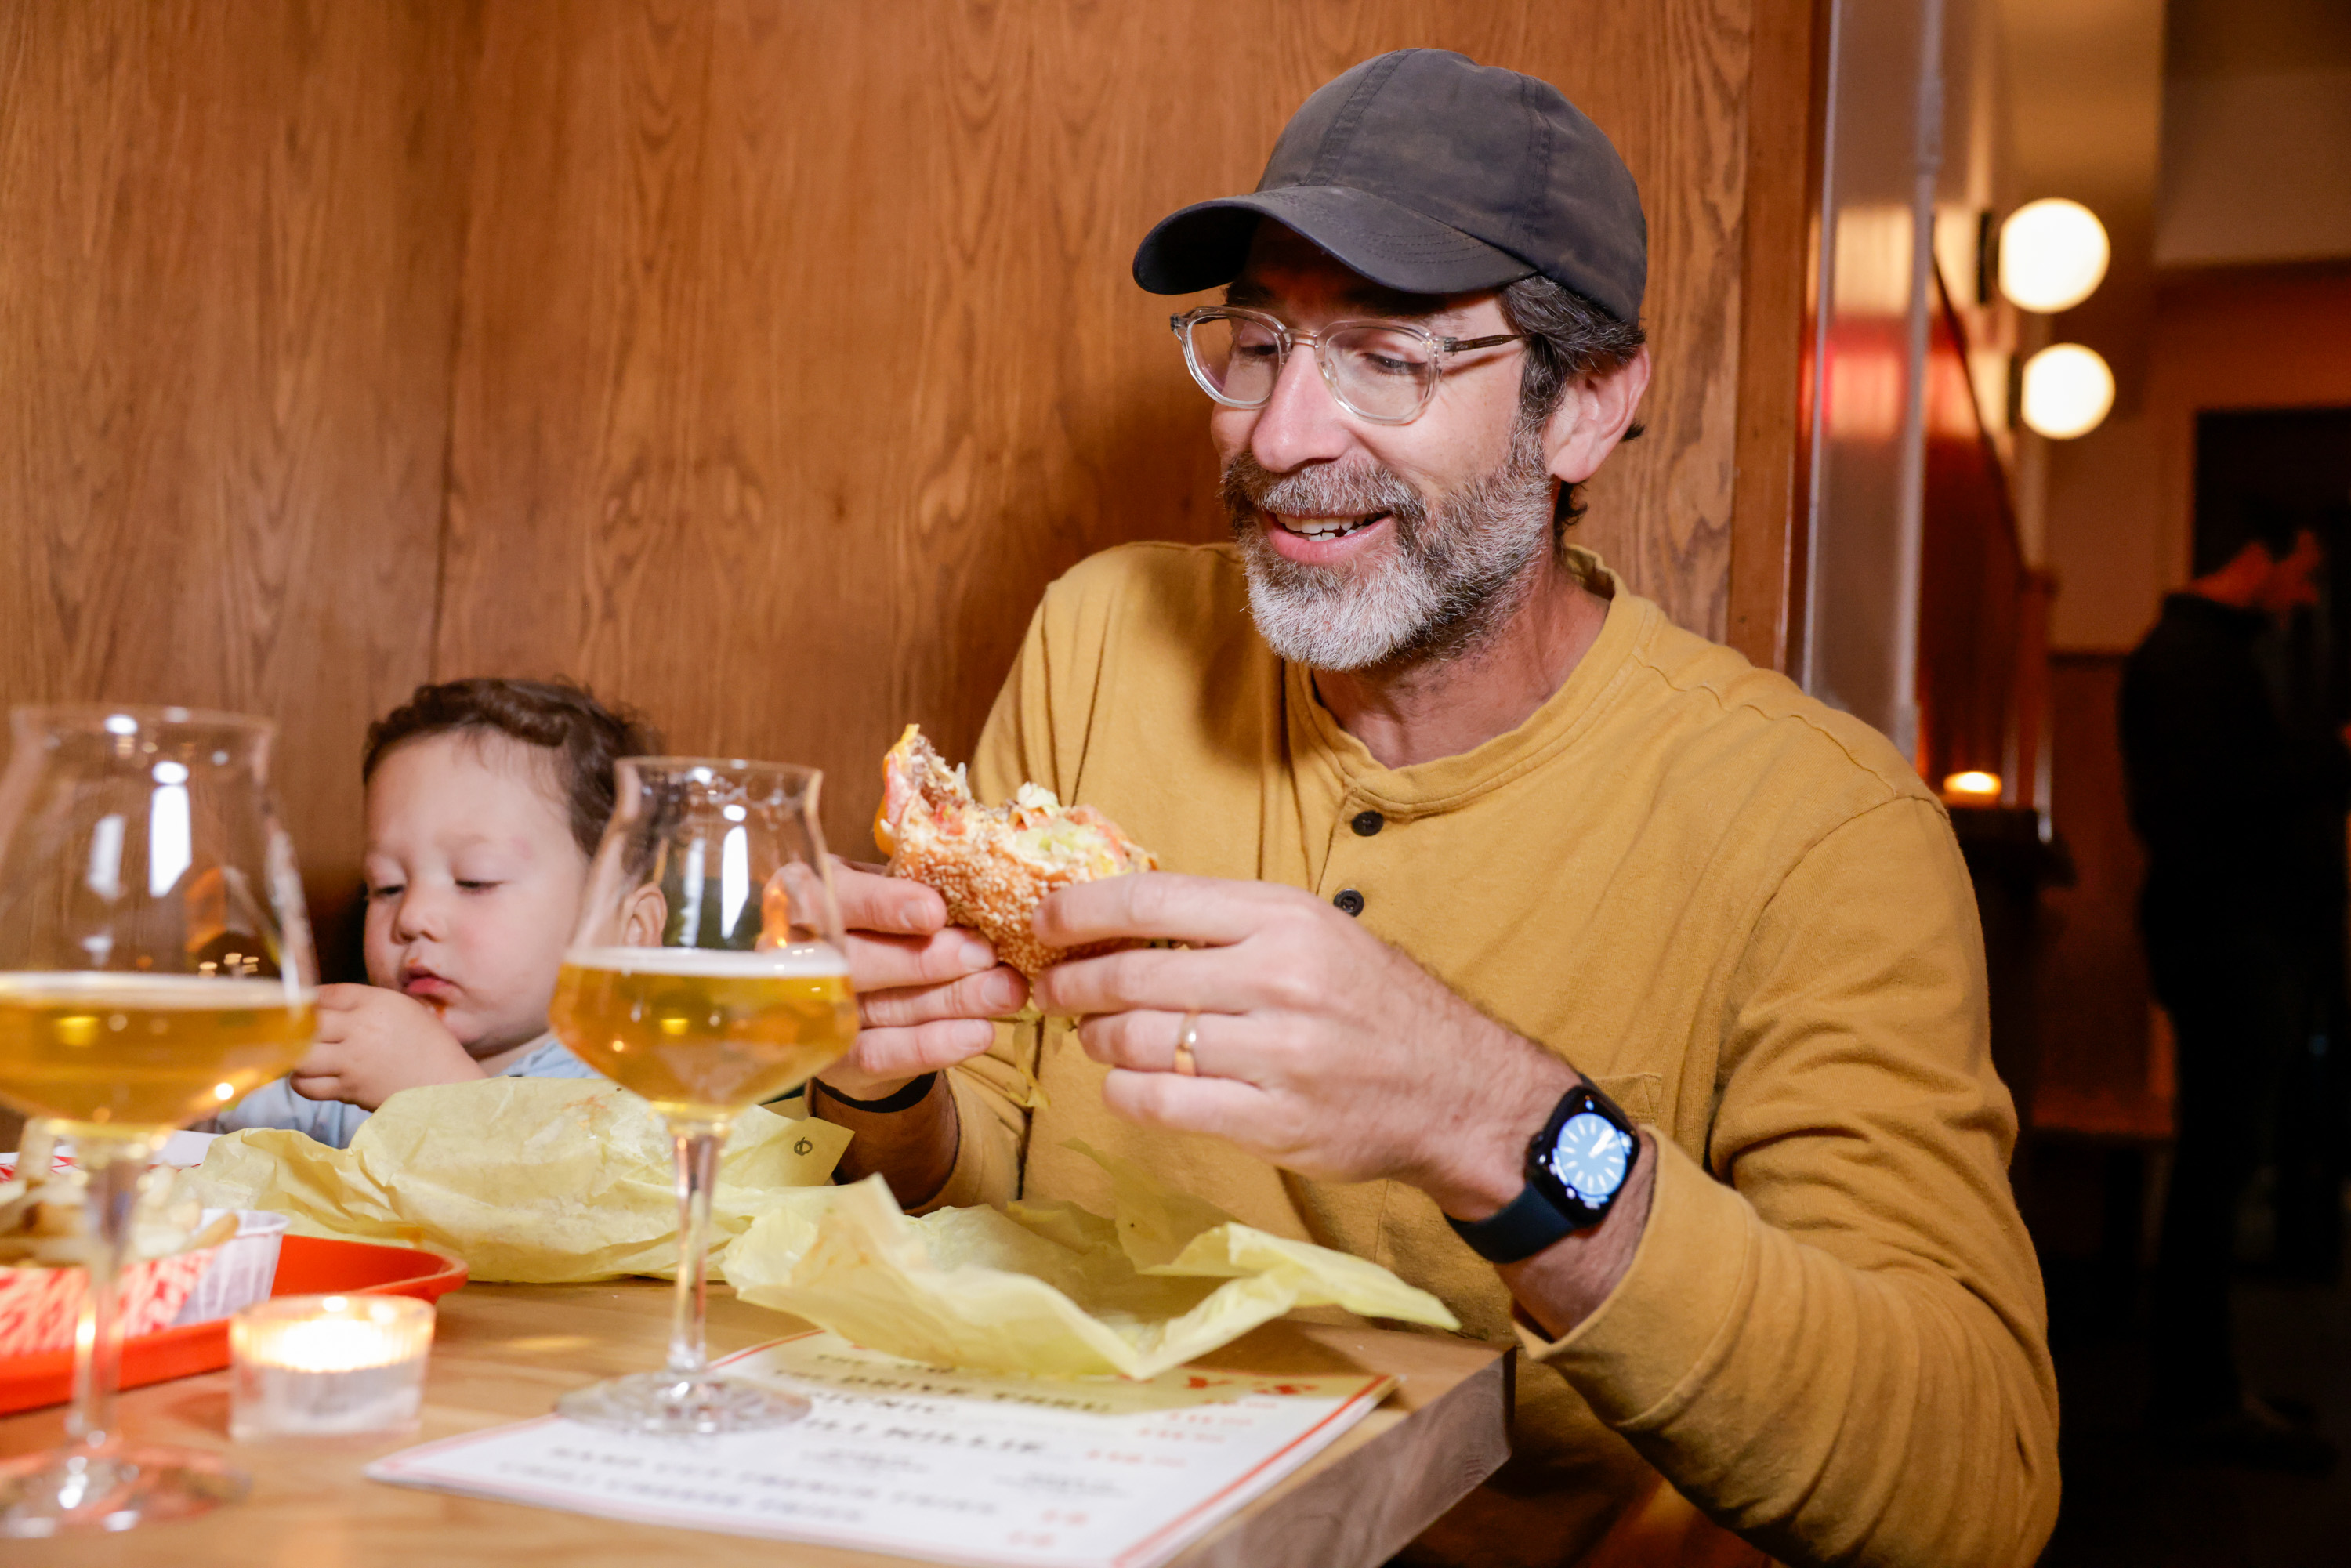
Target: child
(484, 802)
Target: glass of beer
(708, 973)
(155, 964)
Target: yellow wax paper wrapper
(1047, 1287)
(532, 1180)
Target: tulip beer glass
(155, 964)
(708, 974)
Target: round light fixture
(2053, 254)
(2067, 390)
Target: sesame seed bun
(994, 865)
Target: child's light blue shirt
(332, 1122)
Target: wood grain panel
(798, 350)
(1778, 281)
(226, 301)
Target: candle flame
(333, 1333)
(1973, 786)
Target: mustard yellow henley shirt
(1735, 909)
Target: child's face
(474, 884)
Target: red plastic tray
(307, 1266)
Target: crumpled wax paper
(531, 1180)
(1047, 1287)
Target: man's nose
(1303, 423)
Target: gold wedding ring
(1186, 1039)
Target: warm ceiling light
(1971, 787)
(2053, 254)
(2067, 390)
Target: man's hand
(1322, 1050)
(1319, 1047)
(927, 994)
(374, 1042)
(927, 991)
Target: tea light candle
(328, 1365)
(1972, 788)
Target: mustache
(1319, 490)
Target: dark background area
(2297, 460)
(2092, 1199)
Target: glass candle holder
(318, 1366)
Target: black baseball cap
(1430, 173)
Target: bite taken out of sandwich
(994, 865)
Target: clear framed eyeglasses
(1384, 372)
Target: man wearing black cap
(1557, 959)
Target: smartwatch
(1575, 1167)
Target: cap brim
(1205, 245)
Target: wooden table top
(504, 1352)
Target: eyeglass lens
(1380, 372)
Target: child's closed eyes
(473, 880)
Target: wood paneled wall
(228, 271)
(757, 361)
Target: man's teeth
(1327, 527)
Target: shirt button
(1349, 901)
(1366, 823)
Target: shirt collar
(1445, 783)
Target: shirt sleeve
(992, 1090)
(992, 1095)
(549, 1058)
(275, 1105)
(1832, 1336)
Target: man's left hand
(1318, 1047)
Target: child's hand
(373, 1042)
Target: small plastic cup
(243, 1269)
(328, 1366)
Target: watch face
(1591, 1156)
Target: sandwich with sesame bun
(994, 865)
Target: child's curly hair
(564, 717)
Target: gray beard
(1459, 570)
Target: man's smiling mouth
(1324, 527)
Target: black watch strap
(1515, 1232)
(1545, 1211)
(905, 1098)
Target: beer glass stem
(114, 1167)
(697, 1146)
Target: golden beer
(700, 1032)
(143, 1051)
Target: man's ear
(1591, 417)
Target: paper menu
(948, 1467)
